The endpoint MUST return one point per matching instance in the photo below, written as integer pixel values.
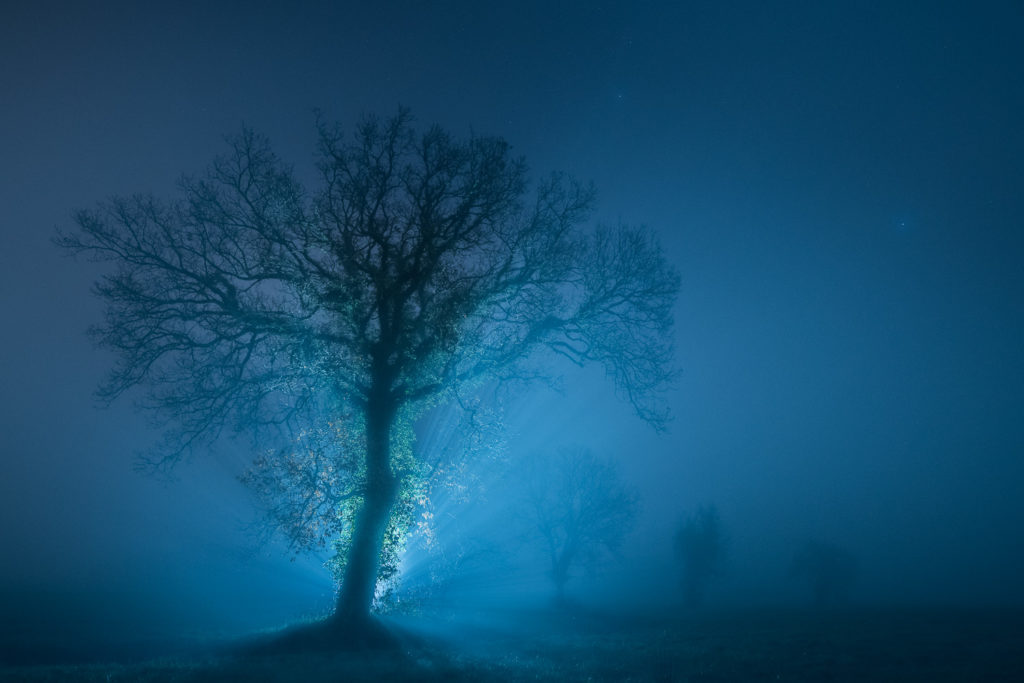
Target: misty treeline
(701, 545)
(421, 270)
(828, 571)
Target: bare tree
(421, 267)
(700, 549)
(580, 509)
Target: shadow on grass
(329, 650)
(579, 644)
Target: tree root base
(332, 635)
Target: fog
(840, 189)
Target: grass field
(740, 645)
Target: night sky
(841, 186)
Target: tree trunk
(359, 582)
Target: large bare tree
(420, 266)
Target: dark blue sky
(840, 184)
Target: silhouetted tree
(580, 509)
(418, 269)
(828, 570)
(700, 548)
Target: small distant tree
(580, 509)
(827, 570)
(700, 550)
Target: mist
(840, 191)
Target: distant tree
(419, 269)
(827, 570)
(580, 510)
(700, 549)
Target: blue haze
(841, 187)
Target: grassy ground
(742, 645)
